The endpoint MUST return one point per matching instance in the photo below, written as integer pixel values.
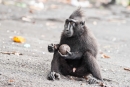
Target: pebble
(43, 52)
(27, 45)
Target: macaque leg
(54, 74)
(92, 65)
(64, 67)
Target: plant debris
(9, 53)
(105, 56)
(18, 39)
(11, 80)
(128, 69)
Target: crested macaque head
(74, 25)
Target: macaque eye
(82, 23)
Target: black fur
(84, 50)
(77, 13)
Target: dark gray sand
(110, 26)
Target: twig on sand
(9, 53)
(128, 69)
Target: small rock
(27, 45)
(43, 52)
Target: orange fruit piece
(18, 39)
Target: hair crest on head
(77, 14)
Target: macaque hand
(67, 55)
(51, 47)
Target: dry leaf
(104, 56)
(9, 53)
(18, 39)
(128, 69)
(11, 80)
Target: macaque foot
(92, 80)
(53, 76)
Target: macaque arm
(72, 55)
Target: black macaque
(81, 61)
